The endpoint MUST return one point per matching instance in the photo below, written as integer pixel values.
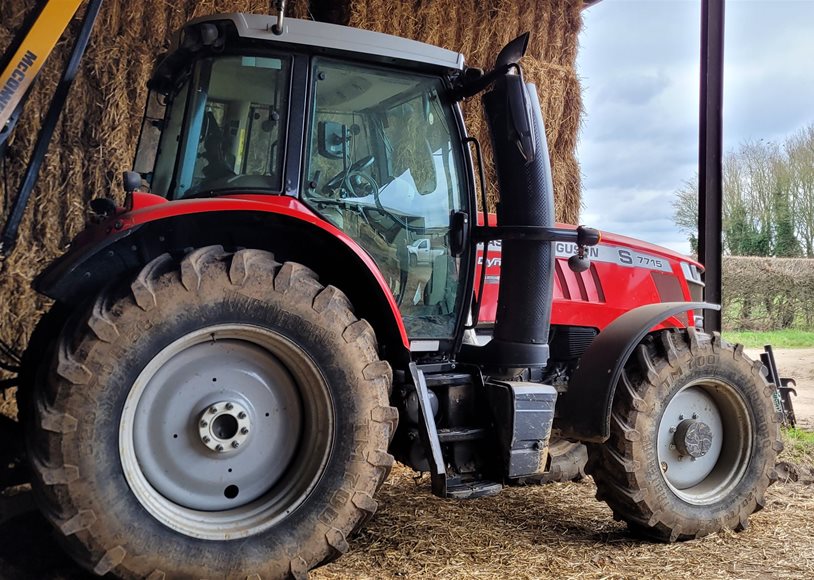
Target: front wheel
(221, 416)
(694, 438)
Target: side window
(224, 129)
(383, 165)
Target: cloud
(639, 64)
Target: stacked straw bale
(97, 132)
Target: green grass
(799, 446)
(779, 338)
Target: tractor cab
(377, 153)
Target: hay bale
(97, 132)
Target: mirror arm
(469, 88)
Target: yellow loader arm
(24, 65)
(19, 67)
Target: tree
(685, 211)
(799, 149)
(767, 202)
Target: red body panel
(608, 289)
(148, 208)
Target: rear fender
(583, 411)
(304, 238)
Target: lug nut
(229, 406)
(672, 429)
(672, 446)
(244, 431)
(219, 447)
(204, 423)
(235, 444)
(694, 415)
(681, 417)
(206, 439)
(213, 409)
(241, 415)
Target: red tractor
(234, 359)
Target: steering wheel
(343, 176)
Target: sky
(639, 66)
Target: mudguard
(280, 224)
(583, 411)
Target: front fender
(279, 224)
(583, 411)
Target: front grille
(581, 286)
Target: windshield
(384, 166)
(225, 133)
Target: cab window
(383, 164)
(225, 128)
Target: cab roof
(364, 43)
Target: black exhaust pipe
(520, 338)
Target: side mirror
(331, 137)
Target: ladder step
(460, 434)
(447, 379)
(473, 489)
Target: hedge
(768, 293)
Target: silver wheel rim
(226, 431)
(705, 439)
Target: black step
(447, 379)
(460, 434)
(473, 489)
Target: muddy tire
(39, 349)
(223, 416)
(568, 460)
(694, 438)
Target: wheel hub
(704, 441)
(225, 431)
(224, 426)
(693, 438)
(690, 438)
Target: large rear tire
(694, 438)
(222, 416)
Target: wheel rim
(705, 439)
(226, 431)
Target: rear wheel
(694, 438)
(225, 416)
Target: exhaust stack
(520, 338)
